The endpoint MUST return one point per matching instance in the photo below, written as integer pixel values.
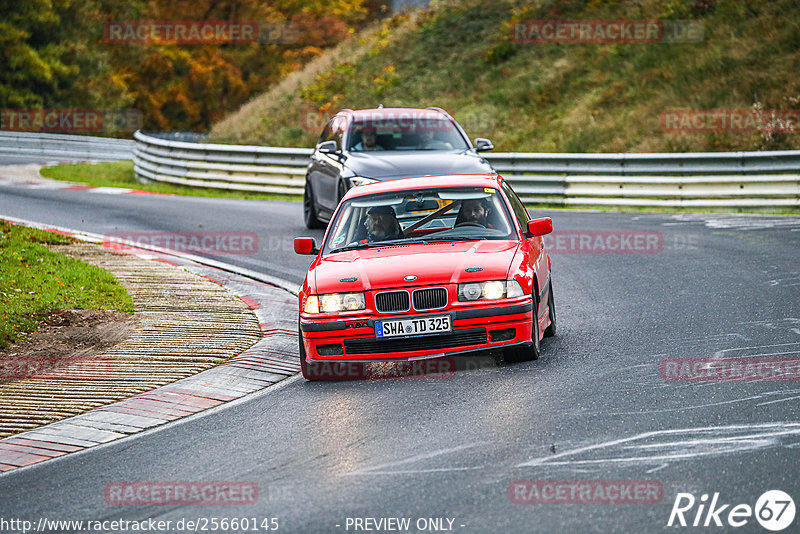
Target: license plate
(412, 327)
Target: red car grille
(433, 298)
(392, 301)
(459, 338)
(430, 299)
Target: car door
(315, 173)
(536, 253)
(330, 167)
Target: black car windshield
(420, 216)
(388, 133)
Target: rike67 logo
(774, 510)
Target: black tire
(550, 331)
(310, 210)
(526, 353)
(302, 352)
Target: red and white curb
(66, 186)
(270, 360)
(33, 179)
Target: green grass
(549, 97)
(34, 281)
(120, 174)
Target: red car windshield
(420, 216)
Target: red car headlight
(489, 290)
(335, 302)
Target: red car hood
(433, 263)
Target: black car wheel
(550, 331)
(302, 352)
(528, 352)
(309, 210)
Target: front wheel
(550, 331)
(310, 210)
(526, 353)
(302, 353)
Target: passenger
(427, 141)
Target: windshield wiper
(371, 244)
(416, 241)
(433, 239)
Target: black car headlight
(356, 181)
(489, 290)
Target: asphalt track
(595, 407)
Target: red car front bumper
(335, 338)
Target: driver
(382, 225)
(475, 210)
(368, 143)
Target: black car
(370, 145)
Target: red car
(426, 267)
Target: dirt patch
(64, 339)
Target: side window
(337, 134)
(326, 133)
(516, 204)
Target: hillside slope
(550, 97)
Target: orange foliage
(189, 86)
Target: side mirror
(482, 145)
(537, 227)
(328, 147)
(305, 245)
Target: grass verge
(120, 174)
(35, 280)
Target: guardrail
(726, 179)
(698, 180)
(714, 179)
(232, 167)
(65, 147)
